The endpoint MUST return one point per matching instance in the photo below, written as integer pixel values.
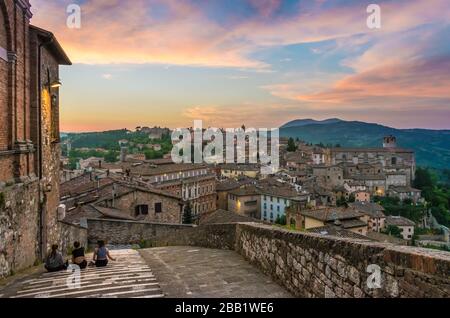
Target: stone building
(245, 201)
(29, 137)
(145, 204)
(405, 225)
(347, 219)
(224, 186)
(195, 183)
(390, 157)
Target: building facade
(29, 137)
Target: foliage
(111, 156)
(394, 231)
(436, 194)
(393, 206)
(291, 145)
(281, 220)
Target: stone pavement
(192, 272)
(128, 277)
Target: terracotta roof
(245, 190)
(230, 184)
(333, 230)
(224, 216)
(399, 221)
(332, 214)
(370, 208)
(400, 189)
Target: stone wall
(19, 228)
(159, 234)
(311, 265)
(69, 234)
(306, 264)
(19, 222)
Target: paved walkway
(192, 272)
(128, 277)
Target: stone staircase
(128, 277)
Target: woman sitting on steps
(101, 255)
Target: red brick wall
(15, 92)
(4, 118)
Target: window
(158, 207)
(141, 209)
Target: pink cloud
(115, 31)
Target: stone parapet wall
(311, 265)
(160, 234)
(306, 264)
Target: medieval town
(226, 229)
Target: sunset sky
(258, 62)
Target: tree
(187, 214)
(111, 156)
(281, 220)
(424, 179)
(394, 231)
(291, 145)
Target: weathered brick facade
(29, 149)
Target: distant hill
(104, 139)
(304, 122)
(432, 147)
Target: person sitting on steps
(54, 261)
(78, 257)
(101, 255)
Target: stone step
(85, 283)
(105, 289)
(85, 287)
(84, 275)
(128, 277)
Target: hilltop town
(349, 192)
(313, 227)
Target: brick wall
(307, 264)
